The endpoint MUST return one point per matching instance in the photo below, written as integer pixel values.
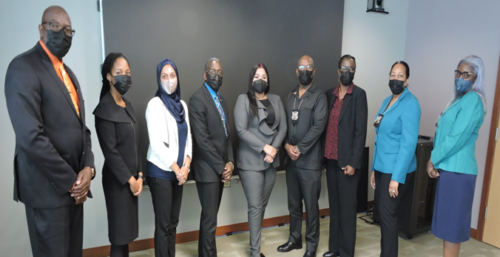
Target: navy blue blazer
(397, 137)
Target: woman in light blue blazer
(453, 157)
(394, 159)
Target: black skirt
(123, 211)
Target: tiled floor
(367, 244)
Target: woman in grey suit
(261, 124)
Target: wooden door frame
(489, 160)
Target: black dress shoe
(330, 254)
(262, 255)
(288, 246)
(310, 254)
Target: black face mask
(397, 86)
(123, 83)
(214, 81)
(58, 43)
(259, 85)
(305, 77)
(346, 78)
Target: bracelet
(185, 165)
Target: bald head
(306, 60)
(53, 14)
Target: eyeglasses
(464, 75)
(213, 73)
(308, 67)
(56, 27)
(347, 68)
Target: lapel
(78, 91)
(50, 68)
(397, 101)
(211, 102)
(345, 105)
(107, 109)
(262, 115)
(277, 114)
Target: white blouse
(163, 135)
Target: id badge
(378, 120)
(295, 117)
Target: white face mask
(169, 85)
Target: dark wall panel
(239, 33)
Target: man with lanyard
(306, 111)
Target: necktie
(221, 113)
(71, 89)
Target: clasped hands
(228, 172)
(270, 153)
(293, 151)
(136, 185)
(81, 186)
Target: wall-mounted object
(376, 6)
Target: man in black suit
(212, 152)
(53, 162)
(344, 138)
(306, 116)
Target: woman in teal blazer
(453, 157)
(394, 160)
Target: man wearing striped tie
(212, 152)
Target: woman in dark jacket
(117, 130)
(345, 137)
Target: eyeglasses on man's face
(214, 72)
(304, 67)
(56, 27)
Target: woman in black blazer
(117, 130)
(345, 137)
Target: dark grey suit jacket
(254, 132)
(52, 142)
(211, 149)
(352, 126)
(308, 132)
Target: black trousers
(342, 197)
(304, 185)
(388, 207)
(210, 195)
(167, 198)
(56, 232)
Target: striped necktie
(221, 113)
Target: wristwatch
(92, 174)
(140, 176)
